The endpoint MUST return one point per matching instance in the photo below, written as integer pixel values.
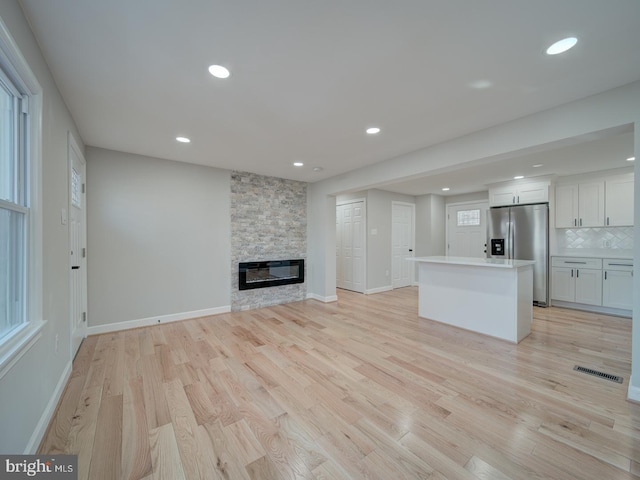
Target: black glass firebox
(270, 273)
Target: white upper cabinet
(602, 202)
(591, 204)
(566, 206)
(580, 205)
(619, 200)
(519, 194)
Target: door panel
(77, 242)
(402, 241)
(350, 246)
(467, 230)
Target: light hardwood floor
(357, 389)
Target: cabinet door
(532, 193)
(617, 289)
(563, 284)
(619, 201)
(588, 286)
(566, 206)
(502, 196)
(591, 204)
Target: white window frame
(21, 339)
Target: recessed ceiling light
(298, 164)
(219, 71)
(481, 84)
(562, 46)
(183, 139)
(631, 159)
(518, 177)
(537, 165)
(373, 130)
(446, 189)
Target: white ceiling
(307, 77)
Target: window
(14, 208)
(21, 319)
(468, 218)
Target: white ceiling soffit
(307, 78)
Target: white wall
(158, 238)
(431, 225)
(547, 129)
(28, 391)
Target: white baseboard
(145, 322)
(47, 415)
(633, 393)
(617, 312)
(378, 290)
(329, 299)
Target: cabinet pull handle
(605, 274)
(607, 220)
(577, 273)
(513, 200)
(518, 198)
(572, 273)
(575, 222)
(580, 222)
(621, 264)
(570, 261)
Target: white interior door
(467, 229)
(350, 246)
(77, 237)
(402, 243)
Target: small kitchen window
(469, 218)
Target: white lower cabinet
(617, 287)
(592, 281)
(576, 285)
(588, 286)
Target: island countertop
(474, 261)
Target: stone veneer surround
(268, 222)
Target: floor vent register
(596, 373)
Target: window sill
(19, 343)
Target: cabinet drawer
(619, 264)
(577, 262)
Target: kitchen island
(485, 295)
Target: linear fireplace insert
(270, 273)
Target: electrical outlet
(57, 343)
(607, 244)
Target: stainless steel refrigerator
(521, 232)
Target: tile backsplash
(595, 238)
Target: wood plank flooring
(358, 389)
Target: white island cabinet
(489, 296)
